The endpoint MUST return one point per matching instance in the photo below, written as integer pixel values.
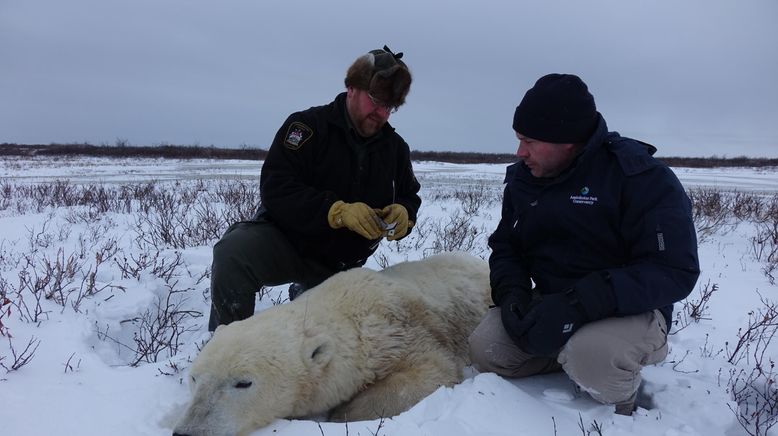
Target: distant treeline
(248, 153)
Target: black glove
(595, 295)
(549, 323)
(520, 299)
(515, 306)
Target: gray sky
(693, 77)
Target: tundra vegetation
(120, 234)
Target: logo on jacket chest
(584, 196)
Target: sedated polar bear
(363, 344)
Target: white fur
(361, 345)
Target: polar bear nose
(180, 434)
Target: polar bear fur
(363, 344)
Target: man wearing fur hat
(336, 181)
(595, 244)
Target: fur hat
(558, 109)
(382, 73)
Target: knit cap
(558, 109)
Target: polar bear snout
(222, 404)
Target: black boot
(295, 289)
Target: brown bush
(122, 148)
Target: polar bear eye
(192, 379)
(243, 384)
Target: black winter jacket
(617, 211)
(317, 159)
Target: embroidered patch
(297, 134)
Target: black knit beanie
(558, 109)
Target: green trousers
(250, 255)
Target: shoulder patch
(296, 135)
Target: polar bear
(363, 344)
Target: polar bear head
(252, 372)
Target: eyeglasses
(378, 103)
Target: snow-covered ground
(93, 367)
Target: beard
(369, 125)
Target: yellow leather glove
(396, 214)
(357, 217)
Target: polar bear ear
(317, 350)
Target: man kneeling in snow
(604, 231)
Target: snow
(80, 380)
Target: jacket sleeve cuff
(512, 295)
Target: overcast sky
(693, 77)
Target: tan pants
(604, 357)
